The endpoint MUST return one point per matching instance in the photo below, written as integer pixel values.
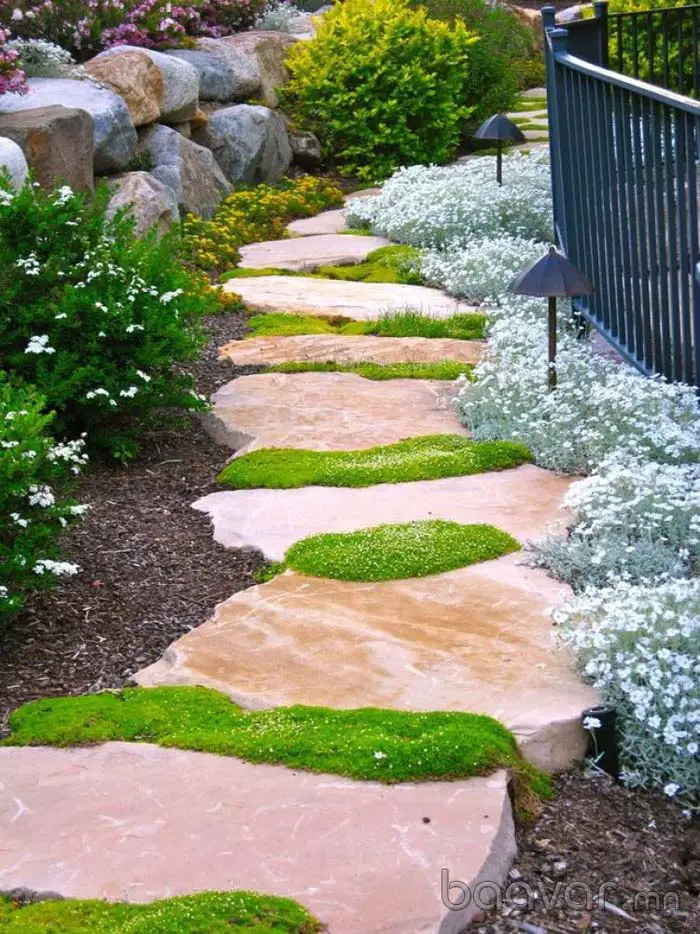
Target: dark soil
(594, 832)
(151, 570)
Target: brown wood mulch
(152, 571)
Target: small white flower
(591, 723)
(380, 755)
(39, 344)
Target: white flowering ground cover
(632, 551)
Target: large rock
(132, 75)
(151, 203)
(190, 170)
(306, 148)
(249, 143)
(270, 50)
(58, 143)
(180, 100)
(247, 80)
(13, 162)
(217, 80)
(115, 136)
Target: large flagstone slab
(328, 411)
(477, 639)
(523, 502)
(329, 222)
(306, 254)
(320, 348)
(363, 301)
(136, 822)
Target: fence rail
(625, 182)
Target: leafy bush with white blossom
(32, 512)
(478, 270)
(99, 320)
(433, 207)
(634, 519)
(640, 647)
(41, 59)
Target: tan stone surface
(364, 301)
(136, 78)
(329, 222)
(524, 502)
(306, 254)
(328, 411)
(320, 348)
(476, 639)
(136, 822)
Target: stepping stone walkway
(319, 348)
(138, 822)
(330, 222)
(306, 254)
(328, 411)
(363, 301)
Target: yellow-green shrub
(382, 85)
(252, 215)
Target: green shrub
(382, 85)
(95, 317)
(32, 516)
(676, 38)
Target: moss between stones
(438, 369)
(395, 552)
(411, 746)
(210, 912)
(427, 457)
(398, 324)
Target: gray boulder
(250, 144)
(217, 81)
(190, 170)
(247, 77)
(12, 160)
(115, 137)
(180, 100)
(151, 203)
(306, 148)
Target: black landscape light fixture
(601, 725)
(551, 277)
(503, 130)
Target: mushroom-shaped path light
(503, 130)
(551, 277)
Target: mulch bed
(152, 571)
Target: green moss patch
(528, 104)
(210, 912)
(440, 369)
(411, 746)
(396, 552)
(398, 324)
(428, 457)
(393, 264)
(241, 272)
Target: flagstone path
(306, 254)
(139, 822)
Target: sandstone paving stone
(523, 501)
(328, 411)
(360, 348)
(329, 222)
(476, 639)
(306, 254)
(136, 822)
(364, 301)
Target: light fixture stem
(499, 163)
(552, 331)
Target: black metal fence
(625, 183)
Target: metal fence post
(600, 11)
(555, 42)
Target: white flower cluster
(428, 206)
(641, 647)
(277, 15)
(633, 519)
(41, 59)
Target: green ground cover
(440, 369)
(396, 324)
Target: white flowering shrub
(639, 645)
(277, 15)
(429, 206)
(98, 319)
(633, 519)
(478, 270)
(600, 407)
(32, 513)
(41, 59)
